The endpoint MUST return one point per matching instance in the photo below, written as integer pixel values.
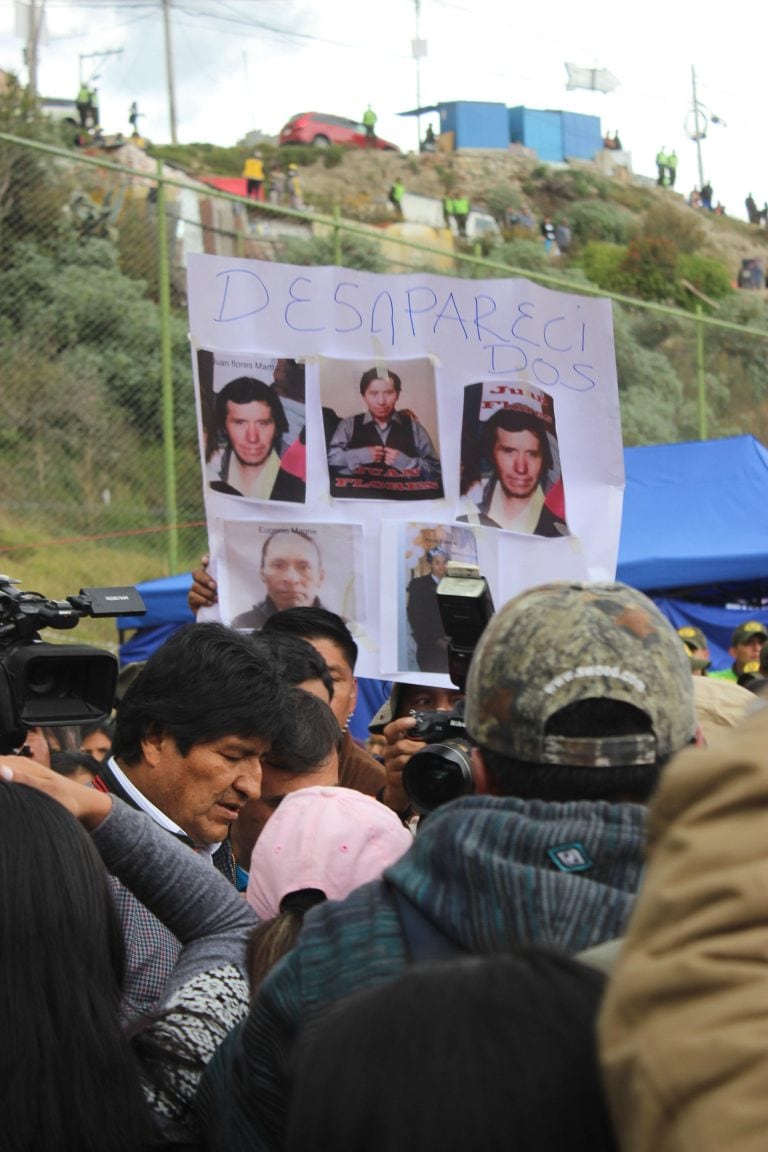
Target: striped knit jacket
(490, 872)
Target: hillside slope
(359, 186)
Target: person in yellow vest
(460, 213)
(293, 187)
(746, 642)
(253, 171)
(396, 193)
(369, 122)
(83, 103)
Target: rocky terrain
(360, 183)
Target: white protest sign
(357, 430)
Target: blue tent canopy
(695, 516)
(694, 534)
(167, 609)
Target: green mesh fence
(101, 478)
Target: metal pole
(33, 39)
(337, 253)
(696, 131)
(700, 374)
(417, 5)
(169, 69)
(166, 371)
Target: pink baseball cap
(333, 839)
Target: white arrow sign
(594, 79)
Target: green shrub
(356, 252)
(502, 200)
(566, 184)
(651, 393)
(650, 266)
(603, 265)
(595, 220)
(528, 255)
(651, 329)
(682, 230)
(709, 276)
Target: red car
(323, 130)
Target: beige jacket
(684, 1027)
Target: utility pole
(35, 14)
(169, 69)
(702, 118)
(699, 131)
(419, 50)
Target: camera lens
(47, 678)
(437, 774)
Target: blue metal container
(582, 138)
(475, 124)
(541, 131)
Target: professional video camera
(44, 683)
(443, 770)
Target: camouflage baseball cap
(565, 642)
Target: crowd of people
(229, 925)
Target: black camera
(43, 683)
(443, 770)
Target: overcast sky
(251, 64)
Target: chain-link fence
(101, 474)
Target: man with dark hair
(516, 443)
(291, 569)
(383, 453)
(189, 737)
(305, 753)
(746, 642)
(300, 664)
(424, 614)
(576, 696)
(251, 420)
(332, 639)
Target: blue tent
(694, 534)
(696, 516)
(167, 609)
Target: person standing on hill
(396, 193)
(461, 213)
(83, 103)
(369, 122)
(563, 236)
(253, 171)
